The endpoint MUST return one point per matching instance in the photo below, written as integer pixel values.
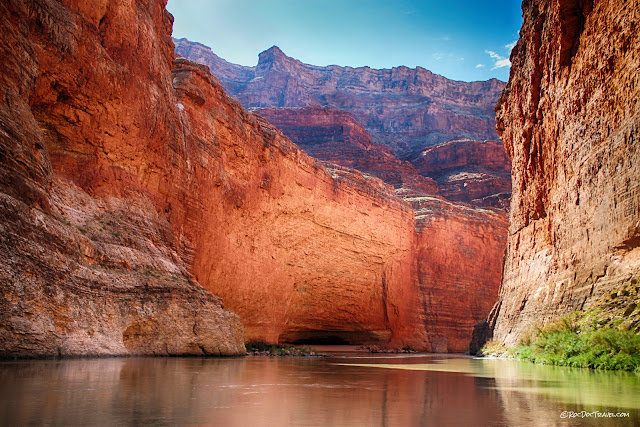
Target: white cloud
(440, 56)
(511, 45)
(480, 66)
(499, 60)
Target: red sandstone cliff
(119, 193)
(302, 251)
(335, 136)
(403, 108)
(569, 118)
(476, 172)
(459, 257)
(126, 186)
(459, 249)
(89, 262)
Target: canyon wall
(335, 136)
(89, 264)
(303, 251)
(459, 246)
(128, 187)
(459, 255)
(569, 118)
(406, 109)
(476, 172)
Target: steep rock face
(91, 274)
(335, 136)
(301, 250)
(459, 256)
(405, 109)
(569, 118)
(477, 172)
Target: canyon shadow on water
(345, 390)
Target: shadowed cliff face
(90, 264)
(403, 108)
(569, 118)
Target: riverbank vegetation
(576, 341)
(566, 343)
(607, 336)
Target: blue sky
(462, 40)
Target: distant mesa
(381, 122)
(407, 109)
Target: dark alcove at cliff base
(332, 338)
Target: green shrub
(568, 343)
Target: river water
(344, 390)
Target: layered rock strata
(335, 136)
(459, 249)
(475, 172)
(403, 108)
(126, 187)
(90, 264)
(459, 256)
(301, 250)
(569, 118)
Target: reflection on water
(350, 390)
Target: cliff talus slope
(569, 118)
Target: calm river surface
(345, 390)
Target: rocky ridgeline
(370, 119)
(404, 108)
(475, 173)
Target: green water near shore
(347, 389)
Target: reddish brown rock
(84, 274)
(569, 118)
(459, 259)
(125, 187)
(118, 193)
(403, 108)
(335, 136)
(477, 172)
(300, 250)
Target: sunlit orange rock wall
(300, 249)
(569, 118)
